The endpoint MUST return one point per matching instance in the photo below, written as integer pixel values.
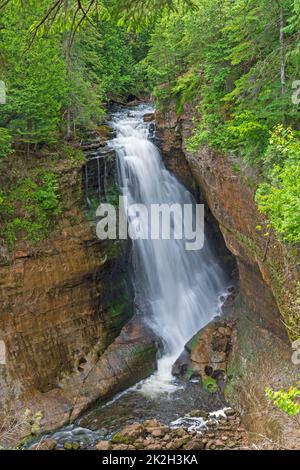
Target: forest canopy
(235, 63)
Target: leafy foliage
(279, 195)
(235, 63)
(30, 208)
(58, 83)
(289, 401)
(5, 142)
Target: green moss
(144, 354)
(193, 343)
(113, 250)
(251, 182)
(118, 306)
(209, 384)
(120, 438)
(233, 374)
(119, 310)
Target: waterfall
(177, 291)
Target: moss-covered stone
(209, 384)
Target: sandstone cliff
(63, 302)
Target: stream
(177, 292)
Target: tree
(36, 81)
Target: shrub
(5, 142)
(289, 402)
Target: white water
(176, 290)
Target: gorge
(105, 366)
(178, 330)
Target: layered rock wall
(63, 303)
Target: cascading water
(177, 291)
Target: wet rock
(195, 444)
(105, 132)
(180, 432)
(182, 366)
(131, 357)
(219, 444)
(139, 446)
(149, 117)
(177, 443)
(199, 414)
(47, 444)
(210, 444)
(154, 435)
(148, 442)
(230, 412)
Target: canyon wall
(63, 304)
(258, 352)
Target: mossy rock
(209, 384)
(120, 438)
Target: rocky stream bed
(197, 431)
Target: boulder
(149, 117)
(103, 445)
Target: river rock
(158, 432)
(152, 423)
(129, 434)
(195, 444)
(138, 436)
(47, 444)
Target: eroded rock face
(268, 270)
(51, 307)
(129, 359)
(169, 140)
